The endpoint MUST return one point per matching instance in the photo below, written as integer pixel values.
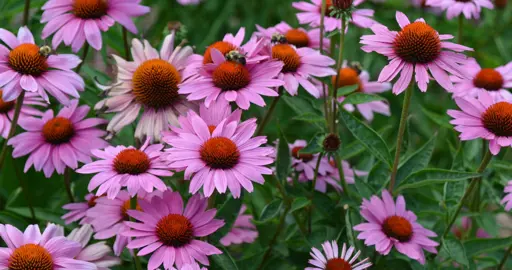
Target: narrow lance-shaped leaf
(479, 246)
(360, 98)
(227, 212)
(433, 176)
(453, 249)
(270, 211)
(224, 261)
(416, 161)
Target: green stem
(26, 12)
(85, 51)
(315, 177)
(126, 44)
(136, 260)
(322, 22)
(400, 136)
(14, 124)
(341, 174)
(269, 113)
(273, 241)
(24, 190)
(505, 258)
(67, 184)
(461, 26)
(211, 200)
(338, 67)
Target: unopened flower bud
(331, 142)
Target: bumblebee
(357, 67)
(45, 51)
(235, 56)
(278, 38)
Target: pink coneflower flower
(78, 211)
(484, 118)
(352, 76)
(136, 169)
(422, 4)
(299, 37)
(464, 230)
(332, 177)
(219, 158)
(507, 200)
(189, 2)
(334, 260)
(234, 80)
(24, 67)
(470, 8)
(193, 266)
(301, 65)
(305, 162)
(97, 253)
(495, 81)
(243, 231)
(149, 83)
(107, 218)
(169, 231)
(391, 225)
(54, 143)
(416, 48)
(7, 111)
(312, 12)
(75, 21)
(33, 250)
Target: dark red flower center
(398, 227)
(27, 60)
(337, 264)
(131, 161)
(223, 46)
(297, 37)
(174, 230)
(346, 77)
(30, 256)
(231, 76)
(463, 1)
(488, 79)
(5, 107)
(498, 119)
(58, 130)
(92, 201)
(220, 153)
(418, 42)
(90, 9)
(155, 84)
(288, 55)
(304, 157)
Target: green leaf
(228, 212)
(360, 98)
(283, 161)
(224, 261)
(479, 246)
(348, 225)
(453, 192)
(314, 145)
(270, 211)
(301, 105)
(433, 176)
(323, 204)
(363, 188)
(453, 249)
(299, 203)
(351, 150)
(310, 118)
(41, 214)
(379, 175)
(367, 136)
(416, 161)
(440, 119)
(345, 90)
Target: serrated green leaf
(270, 211)
(227, 212)
(224, 261)
(299, 203)
(361, 98)
(453, 249)
(345, 90)
(367, 136)
(283, 160)
(433, 176)
(475, 247)
(416, 161)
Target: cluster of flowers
(184, 100)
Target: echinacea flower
(150, 83)
(136, 169)
(76, 21)
(33, 250)
(299, 37)
(7, 111)
(351, 76)
(507, 200)
(170, 232)
(416, 48)
(243, 231)
(312, 12)
(301, 66)
(484, 118)
(306, 162)
(24, 68)
(469, 8)
(219, 158)
(390, 225)
(97, 253)
(465, 229)
(332, 177)
(234, 80)
(78, 211)
(334, 260)
(56, 142)
(495, 81)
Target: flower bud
(331, 142)
(501, 4)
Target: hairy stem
(322, 30)
(315, 177)
(341, 174)
(126, 45)
(269, 113)
(67, 184)
(26, 12)
(339, 63)
(14, 124)
(505, 258)
(25, 191)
